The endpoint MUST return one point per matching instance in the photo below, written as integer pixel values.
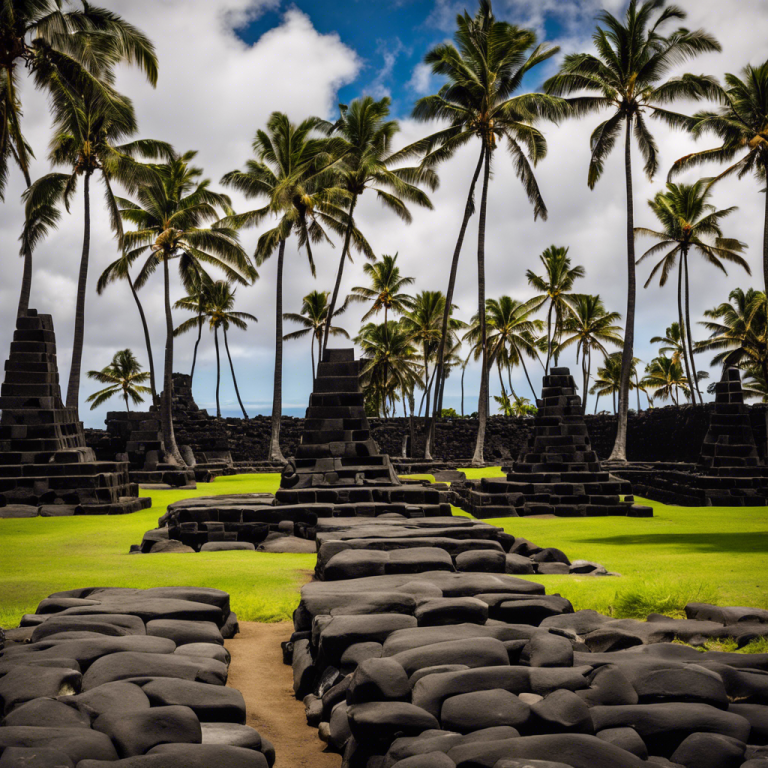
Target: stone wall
(661, 434)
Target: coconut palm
(590, 327)
(66, 50)
(174, 207)
(755, 385)
(386, 289)
(607, 380)
(741, 124)
(483, 70)
(422, 324)
(365, 134)
(674, 341)
(666, 379)
(215, 303)
(292, 172)
(39, 219)
(390, 364)
(313, 317)
(689, 224)
(554, 290)
(124, 377)
(628, 76)
(197, 300)
(120, 269)
(738, 332)
(87, 140)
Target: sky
(226, 65)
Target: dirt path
(258, 672)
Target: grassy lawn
(679, 555)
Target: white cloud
(421, 80)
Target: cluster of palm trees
(308, 179)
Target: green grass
(682, 554)
(43, 555)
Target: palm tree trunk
(26, 284)
(197, 344)
(172, 454)
(637, 387)
(312, 358)
(452, 283)
(530, 383)
(412, 422)
(340, 273)
(681, 320)
(694, 381)
(73, 387)
(234, 378)
(275, 454)
(549, 337)
(147, 339)
(614, 401)
(597, 401)
(463, 371)
(585, 380)
(482, 410)
(619, 452)
(127, 406)
(765, 246)
(218, 369)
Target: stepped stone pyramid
(730, 472)
(44, 462)
(558, 473)
(336, 447)
(733, 474)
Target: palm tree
(422, 325)
(666, 378)
(738, 332)
(86, 140)
(292, 170)
(689, 223)
(215, 304)
(484, 68)
(555, 289)
(590, 327)
(674, 339)
(124, 376)
(741, 124)
(386, 289)
(390, 363)
(197, 300)
(755, 384)
(314, 317)
(170, 218)
(67, 51)
(365, 136)
(627, 77)
(120, 269)
(39, 219)
(608, 379)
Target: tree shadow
(742, 542)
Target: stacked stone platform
(45, 466)
(429, 666)
(125, 678)
(559, 473)
(730, 473)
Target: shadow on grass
(742, 542)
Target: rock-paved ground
(257, 671)
(421, 667)
(127, 678)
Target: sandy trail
(258, 672)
